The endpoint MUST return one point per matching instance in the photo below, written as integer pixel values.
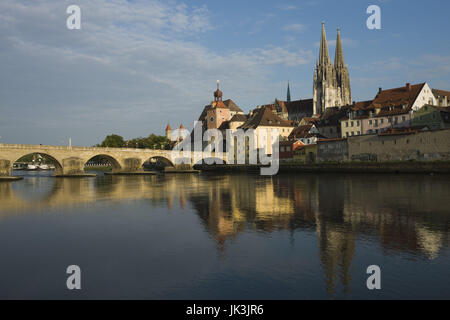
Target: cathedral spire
(288, 97)
(339, 58)
(331, 82)
(324, 58)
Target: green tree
(113, 141)
(153, 141)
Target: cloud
(423, 66)
(296, 27)
(282, 56)
(287, 7)
(133, 67)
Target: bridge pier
(132, 165)
(72, 166)
(5, 168)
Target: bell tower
(218, 112)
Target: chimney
(380, 89)
(408, 86)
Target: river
(209, 236)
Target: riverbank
(9, 178)
(427, 167)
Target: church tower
(288, 94)
(342, 76)
(219, 112)
(331, 82)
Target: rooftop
(266, 118)
(406, 95)
(442, 93)
(233, 106)
(300, 106)
(239, 118)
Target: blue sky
(137, 65)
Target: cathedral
(331, 82)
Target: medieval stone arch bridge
(71, 160)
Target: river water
(204, 236)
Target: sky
(135, 66)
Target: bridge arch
(157, 163)
(104, 159)
(53, 160)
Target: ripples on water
(226, 237)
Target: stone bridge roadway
(71, 160)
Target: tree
(151, 142)
(113, 141)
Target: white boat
(43, 167)
(31, 167)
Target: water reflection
(406, 214)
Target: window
(353, 133)
(357, 123)
(403, 118)
(346, 124)
(346, 134)
(359, 133)
(288, 149)
(370, 122)
(382, 121)
(390, 120)
(282, 149)
(352, 123)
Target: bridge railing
(48, 147)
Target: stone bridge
(70, 161)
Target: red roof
(406, 95)
(168, 128)
(219, 104)
(441, 93)
(303, 132)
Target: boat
(43, 167)
(19, 166)
(32, 167)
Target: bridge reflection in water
(403, 214)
